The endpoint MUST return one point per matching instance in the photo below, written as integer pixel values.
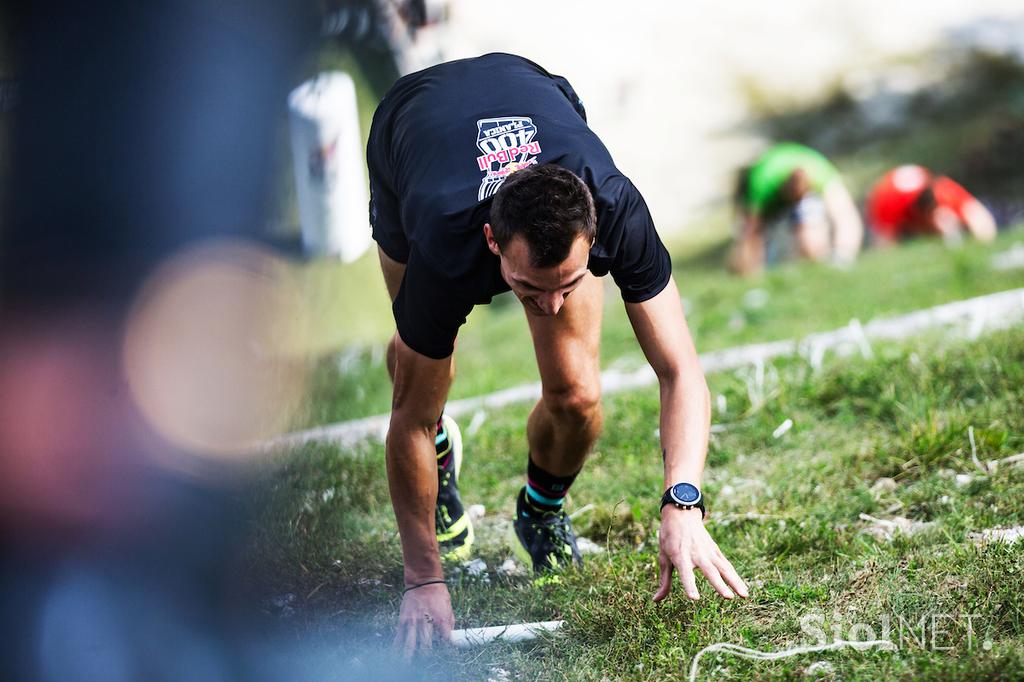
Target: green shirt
(770, 172)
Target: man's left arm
(685, 545)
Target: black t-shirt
(442, 142)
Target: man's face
(542, 290)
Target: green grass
(495, 351)
(325, 533)
(884, 437)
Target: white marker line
(999, 310)
(756, 655)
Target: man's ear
(491, 244)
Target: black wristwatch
(684, 496)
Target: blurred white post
(330, 176)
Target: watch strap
(667, 498)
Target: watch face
(685, 493)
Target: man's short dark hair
(549, 207)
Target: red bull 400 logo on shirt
(506, 145)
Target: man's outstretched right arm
(420, 389)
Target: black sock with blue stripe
(544, 492)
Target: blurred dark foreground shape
(140, 325)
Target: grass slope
(786, 512)
(885, 437)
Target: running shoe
(545, 542)
(451, 520)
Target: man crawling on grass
(484, 178)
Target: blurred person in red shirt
(910, 201)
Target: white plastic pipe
(515, 632)
(1001, 310)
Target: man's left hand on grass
(686, 546)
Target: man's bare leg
(567, 420)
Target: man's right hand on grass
(426, 614)
(420, 387)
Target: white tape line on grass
(756, 655)
(517, 632)
(993, 311)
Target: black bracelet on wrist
(424, 584)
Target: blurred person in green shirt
(794, 187)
